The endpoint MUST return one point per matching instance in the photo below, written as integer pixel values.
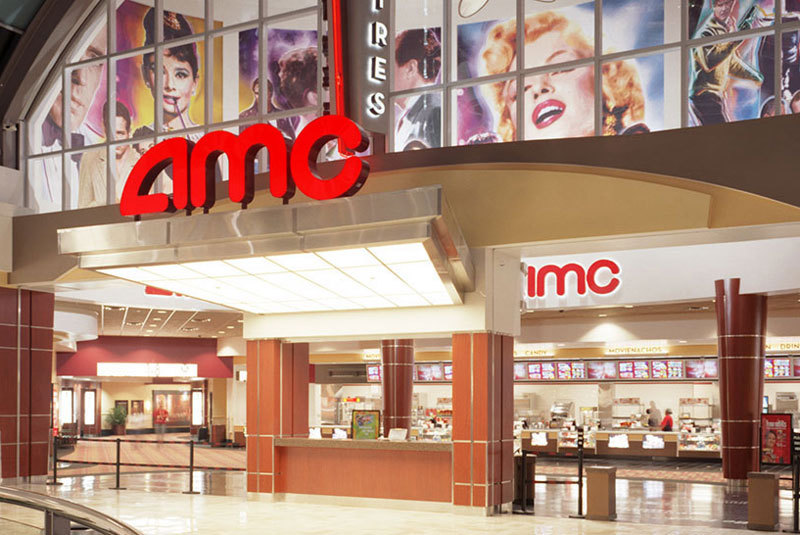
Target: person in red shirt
(160, 418)
(666, 423)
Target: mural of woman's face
(179, 84)
(557, 104)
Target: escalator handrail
(80, 514)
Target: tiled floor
(154, 504)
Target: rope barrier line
(110, 463)
(133, 440)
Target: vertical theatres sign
(194, 167)
(364, 27)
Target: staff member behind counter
(666, 423)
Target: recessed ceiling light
(561, 345)
(230, 327)
(697, 308)
(201, 320)
(602, 315)
(190, 329)
(681, 341)
(628, 306)
(133, 323)
(220, 332)
(150, 330)
(115, 308)
(162, 311)
(153, 325)
(156, 319)
(239, 321)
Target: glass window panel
(731, 81)
(472, 35)
(163, 183)
(44, 184)
(276, 7)
(790, 72)
(791, 10)
(65, 409)
(636, 99)
(135, 24)
(89, 407)
(45, 133)
(292, 63)
(183, 102)
(709, 18)
(417, 44)
(87, 183)
(87, 89)
(198, 407)
(630, 25)
(480, 116)
(230, 12)
(135, 94)
(556, 32)
(92, 43)
(183, 18)
(237, 88)
(418, 122)
(124, 158)
(558, 104)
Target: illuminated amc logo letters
(376, 70)
(584, 278)
(194, 167)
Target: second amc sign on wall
(658, 275)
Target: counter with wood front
(365, 468)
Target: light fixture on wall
(468, 8)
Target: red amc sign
(537, 281)
(194, 165)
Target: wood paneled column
(277, 405)
(398, 383)
(741, 330)
(26, 364)
(483, 419)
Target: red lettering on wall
(194, 167)
(537, 281)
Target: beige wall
(134, 391)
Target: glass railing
(59, 515)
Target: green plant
(117, 416)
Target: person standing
(160, 417)
(666, 423)
(652, 419)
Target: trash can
(763, 513)
(523, 479)
(601, 494)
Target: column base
(736, 483)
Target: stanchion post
(191, 469)
(55, 481)
(118, 464)
(580, 474)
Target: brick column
(483, 412)
(398, 383)
(26, 363)
(277, 405)
(741, 328)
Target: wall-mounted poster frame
(366, 425)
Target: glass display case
(699, 442)
(569, 439)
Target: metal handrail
(80, 514)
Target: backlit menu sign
(782, 367)
(667, 369)
(710, 368)
(564, 370)
(695, 369)
(520, 371)
(548, 370)
(578, 370)
(373, 373)
(641, 369)
(626, 370)
(534, 370)
(768, 371)
(448, 372)
(430, 372)
(602, 370)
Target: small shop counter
(415, 470)
(624, 443)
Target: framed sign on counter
(366, 425)
(776, 439)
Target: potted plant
(116, 418)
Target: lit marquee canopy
(397, 249)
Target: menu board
(578, 370)
(448, 372)
(430, 372)
(641, 369)
(626, 370)
(534, 370)
(782, 367)
(660, 369)
(564, 370)
(373, 373)
(675, 369)
(548, 370)
(769, 372)
(695, 369)
(710, 368)
(797, 367)
(520, 371)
